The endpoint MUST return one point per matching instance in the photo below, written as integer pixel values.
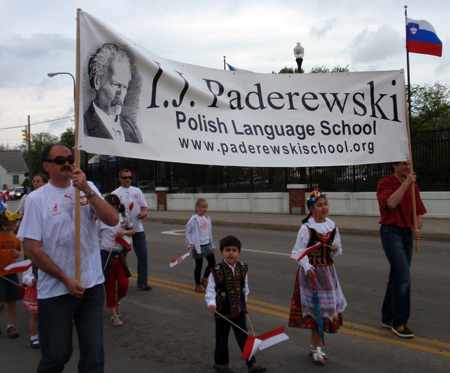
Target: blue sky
(37, 37)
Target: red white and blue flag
(422, 38)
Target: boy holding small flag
(226, 297)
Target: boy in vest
(226, 295)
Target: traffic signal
(26, 135)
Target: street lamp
(299, 52)
(51, 75)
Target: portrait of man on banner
(114, 85)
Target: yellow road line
(349, 328)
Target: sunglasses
(126, 177)
(62, 161)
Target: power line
(32, 124)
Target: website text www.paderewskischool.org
(291, 149)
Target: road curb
(373, 232)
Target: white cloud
(38, 37)
(369, 47)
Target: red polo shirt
(402, 215)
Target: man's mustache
(116, 102)
(66, 168)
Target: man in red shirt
(397, 236)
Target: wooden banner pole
(77, 157)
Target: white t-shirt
(204, 230)
(109, 234)
(133, 199)
(50, 219)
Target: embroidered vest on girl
(230, 289)
(322, 255)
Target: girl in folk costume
(30, 302)
(115, 245)
(199, 237)
(318, 242)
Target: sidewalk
(433, 229)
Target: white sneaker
(115, 321)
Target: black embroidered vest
(230, 289)
(321, 256)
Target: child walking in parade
(226, 297)
(30, 302)
(316, 282)
(115, 245)
(199, 240)
(10, 248)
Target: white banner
(136, 104)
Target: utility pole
(30, 176)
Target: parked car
(18, 193)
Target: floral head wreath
(315, 195)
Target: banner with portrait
(136, 104)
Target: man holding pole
(397, 232)
(48, 231)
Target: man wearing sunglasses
(134, 201)
(48, 231)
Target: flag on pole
(231, 68)
(18, 267)
(422, 38)
(272, 338)
(251, 346)
(176, 261)
(299, 256)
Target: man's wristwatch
(91, 194)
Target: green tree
(314, 70)
(287, 70)
(68, 137)
(324, 69)
(430, 106)
(39, 142)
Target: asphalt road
(169, 328)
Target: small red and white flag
(123, 242)
(176, 261)
(251, 346)
(272, 338)
(18, 267)
(308, 250)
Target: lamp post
(299, 53)
(51, 75)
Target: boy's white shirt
(210, 295)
